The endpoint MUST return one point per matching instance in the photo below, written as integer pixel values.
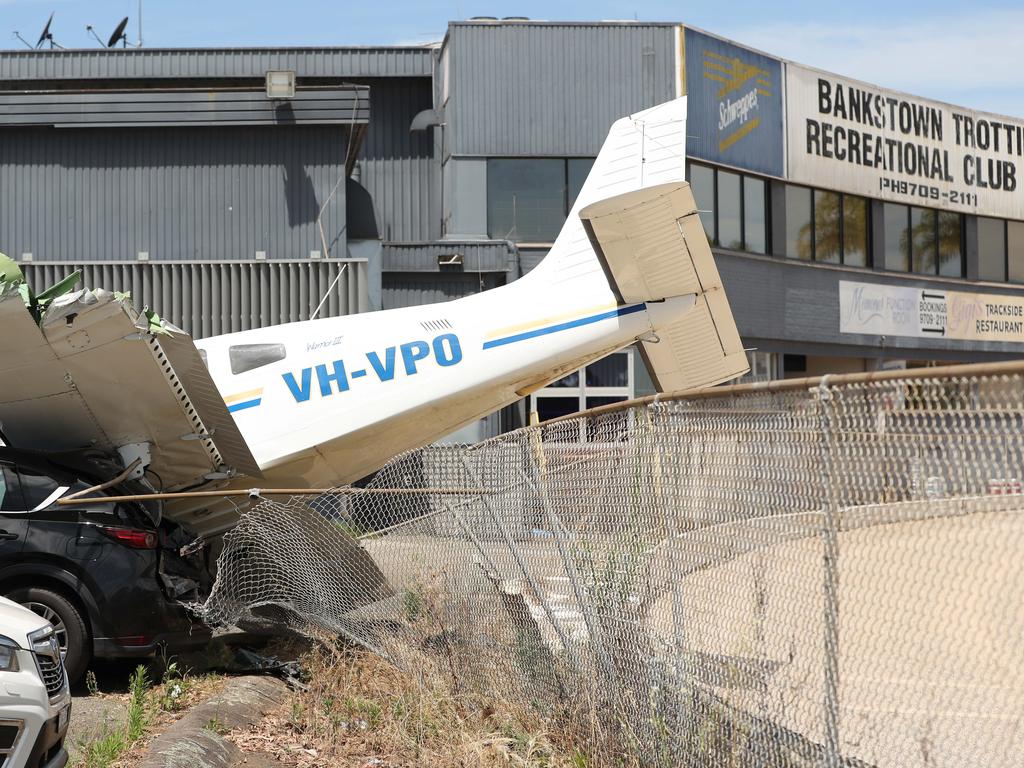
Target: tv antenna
(44, 36)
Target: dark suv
(109, 577)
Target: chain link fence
(822, 572)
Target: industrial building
(855, 227)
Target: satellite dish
(46, 35)
(119, 34)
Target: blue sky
(968, 54)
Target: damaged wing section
(86, 369)
(652, 246)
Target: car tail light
(131, 537)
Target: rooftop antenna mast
(139, 43)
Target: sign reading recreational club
(888, 310)
(857, 138)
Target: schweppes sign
(735, 109)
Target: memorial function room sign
(889, 310)
(853, 137)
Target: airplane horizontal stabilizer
(652, 246)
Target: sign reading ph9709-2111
(853, 137)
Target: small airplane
(325, 402)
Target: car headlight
(8, 655)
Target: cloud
(977, 56)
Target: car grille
(52, 672)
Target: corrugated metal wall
(476, 256)
(552, 89)
(208, 299)
(184, 106)
(174, 193)
(410, 289)
(400, 169)
(215, 63)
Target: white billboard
(889, 310)
(845, 135)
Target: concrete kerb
(194, 741)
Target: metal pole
(574, 579)
(569, 649)
(830, 565)
(683, 675)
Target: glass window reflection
(798, 223)
(922, 232)
(702, 184)
(754, 228)
(855, 231)
(826, 226)
(729, 232)
(950, 239)
(991, 249)
(897, 237)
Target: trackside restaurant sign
(888, 310)
(846, 135)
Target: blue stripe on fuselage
(617, 312)
(243, 405)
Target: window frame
(910, 252)
(715, 236)
(566, 203)
(869, 259)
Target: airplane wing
(652, 246)
(90, 370)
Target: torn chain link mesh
(827, 576)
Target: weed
(91, 684)
(213, 725)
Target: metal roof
(212, 63)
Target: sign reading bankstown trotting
(735, 105)
(853, 137)
(890, 310)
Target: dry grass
(363, 712)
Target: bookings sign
(887, 310)
(849, 136)
(735, 105)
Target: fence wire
(824, 576)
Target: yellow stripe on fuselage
(251, 394)
(529, 325)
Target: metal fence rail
(824, 572)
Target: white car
(35, 701)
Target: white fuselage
(343, 395)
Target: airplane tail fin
(634, 233)
(652, 246)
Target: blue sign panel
(734, 105)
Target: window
(754, 226)
(608, 380)
(579, 169)
(824, 226)
(923, 240)
(10, 491)
(528, 199)
(895, 219)
(730, 231)
(827, 227)
(991, 249)
(702, 184)
(1015, 251)
(798, 223)
(35, 489)
(248, 357)
(855, 231)
(731, 207)
(951, 258)
(922, 236)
